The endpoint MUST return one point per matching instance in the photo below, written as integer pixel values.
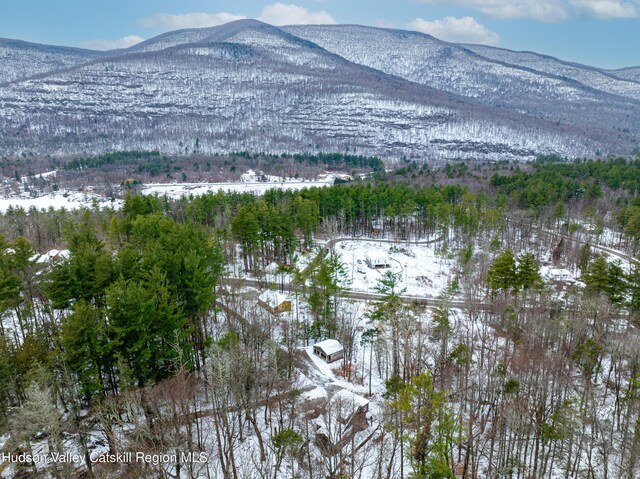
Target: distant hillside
(251, 86)
(23, 59)
(527, 83)
(632, 73)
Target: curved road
(613, 252)
(426, 300)
(331, 243)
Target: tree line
(144, 328)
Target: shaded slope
(195, 35)
(631, 73)
(23, 59)
(586, 75)
(454, 68)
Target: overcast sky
(603, 33)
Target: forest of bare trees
(141, 351)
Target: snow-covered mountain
(529, 83)
(23, 59)
(632, 73)
(220, 33)
(251, 86)
(588, 76)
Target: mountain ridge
(38, 58)
(169, 90)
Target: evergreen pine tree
(528, 272)
(607, 278)
(502, 275)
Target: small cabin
(349, 404)
(377, 259)
(330, 350)
(274, 302)
(344, 417)
(51, 256)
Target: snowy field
(58, 200)
(176, 190)
(27, 199)
(422, 268)
(251, 182)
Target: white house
(377, 258)
(274, 302)
(330, 350)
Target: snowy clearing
(59, 200)
(251, 183)
(424, 270)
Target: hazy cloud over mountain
(124, 42)
(276, 14)
(544, 10)
(170, 21)
(451, 29)
(549, 10)
(607, 9)
(287, 14)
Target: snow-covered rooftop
(273, 298)
(51, 255)
(329, 346)
(376, 255)
(347, 397)
(318, 393)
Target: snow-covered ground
(422, 268)
(251, 182)
(46, 174)
(58, 200)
